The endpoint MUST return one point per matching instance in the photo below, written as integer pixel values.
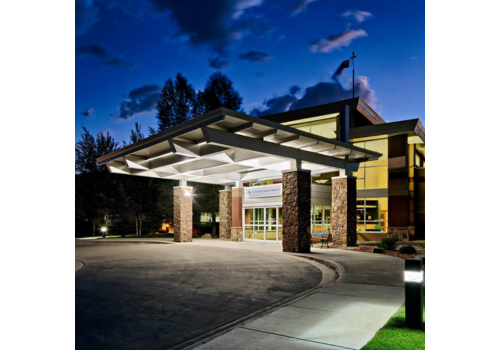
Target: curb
(215, 333)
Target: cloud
(210, 23)
(318, 94)
(89, 113)
(242, 5)
(96, 50)
(294, 89)
(337, 41)
(86, 15)
(218, 63)
(301, 6)
(255, 56)
(118, 61)
(139, 100)
(359, 16)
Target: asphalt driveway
(154, 296)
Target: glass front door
(263, 224)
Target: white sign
(263, 191)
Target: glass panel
(259, 216)
(360, 207)
(280, 212)
(248, 232)
(270, 216)
(271, 233)
(318, 227)
(280, 233)
(318, 212)
(248, 216)
(327, 215)
(376, 214)
(259, 232)
(376, 177)
(326, 227)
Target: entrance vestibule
(264, 224)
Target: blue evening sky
(125, 50)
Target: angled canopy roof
(225, 146)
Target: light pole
(352, 59)
(414, 281)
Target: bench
(321, 236)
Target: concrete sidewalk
(345, 315)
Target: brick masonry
(225, 214)
(297, 211)
(183, 214)
(343, 214)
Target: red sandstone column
(183, 214)
(225, 214)
(343, 214)
(297, 211)
(237, 215)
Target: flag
(339, 70)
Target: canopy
(224, 146)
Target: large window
(372, 214)
(372, 174)
(324, 125)
(320, 218)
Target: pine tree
(219, 92)
(176, 103)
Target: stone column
(343, 213)
(183, 214)
(297, 211)
(225, 214)
(237, 215)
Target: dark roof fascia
(195, 123)
(355, 104)
(389, 129)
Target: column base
(237, 234)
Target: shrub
(378, 227)
(388, 243)
(407, 249)
(423, 245)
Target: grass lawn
(394, 335)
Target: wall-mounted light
(187, 193)
(414, 283)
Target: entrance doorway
(264, 224)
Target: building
(337, 167)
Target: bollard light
(104, 229)
(414, 282)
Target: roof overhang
(413, 128)
(224, 146)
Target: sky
(280, 55)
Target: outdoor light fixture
(414, 281)
(187, 193)
(104, 229)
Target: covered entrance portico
(233, 149)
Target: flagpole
(352, 58)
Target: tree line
(135, 205)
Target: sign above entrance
(263, 191)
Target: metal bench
(321, 236)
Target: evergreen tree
(135, 135)
(89, 148)
(219, 92)
(176, 102)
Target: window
(325, 125)
(320, 218)
(372, 214)
(371, 175)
